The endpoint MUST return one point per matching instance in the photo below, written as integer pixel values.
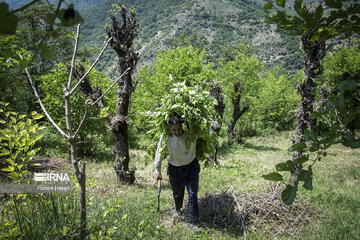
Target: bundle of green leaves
(196, 109)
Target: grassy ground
(330, 211)
(335, 200)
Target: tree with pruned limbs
(121, 39)
(314, 23)
(71, 132)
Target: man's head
(175, 126)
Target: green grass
(129, 211)
(335, 196)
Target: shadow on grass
(217, 211)
(225, 149)
(260, 148)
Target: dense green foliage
(186, 64)
(14, 89)
(51, 85)
(342, 79)
(274, 107)
(239, 79)
(270, 96)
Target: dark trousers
(188, 176)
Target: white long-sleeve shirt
(179, 155)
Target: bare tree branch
(41, 104)
(82, 120)
(74, 55)
(111, 86)
(92, 66)
(107, 90)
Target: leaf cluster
(314, 148)
(195, 107)
(186, 64)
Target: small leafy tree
(17, 138)
(71, 134)
(240, 79)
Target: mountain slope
(213, 24)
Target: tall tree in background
(219, 107)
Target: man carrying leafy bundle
(183, 170)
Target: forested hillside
(206, 24)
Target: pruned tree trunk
(314, 53)
(122, 40)
(237, 111)
(215, 92)
(117, 127)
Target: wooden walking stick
(159, 190)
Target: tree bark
(80, 175)
(215, 92)
(314, 53)
(237, 111)
(122, 40)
